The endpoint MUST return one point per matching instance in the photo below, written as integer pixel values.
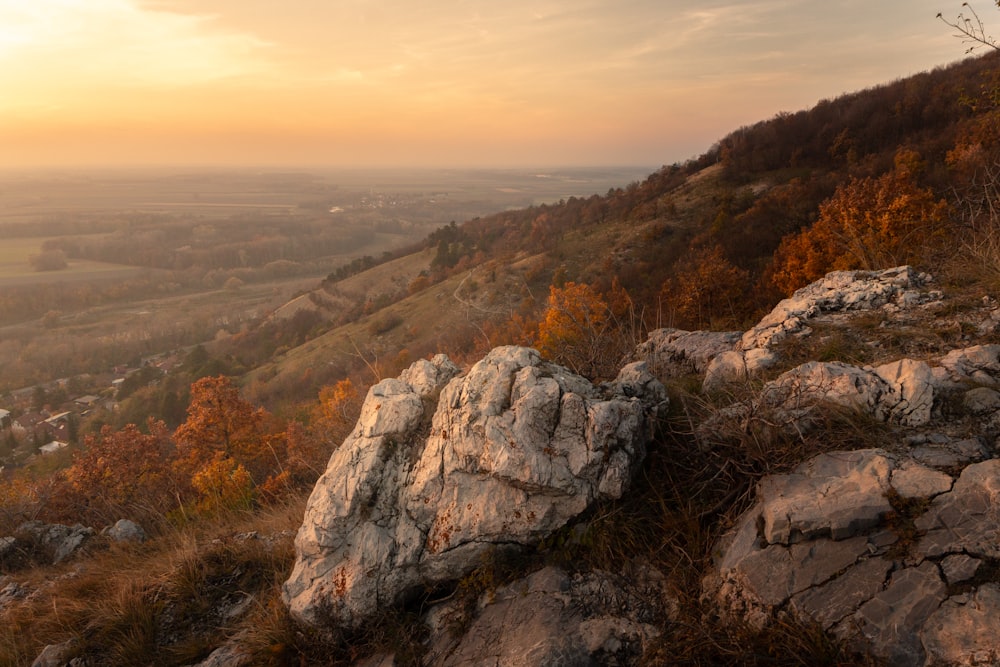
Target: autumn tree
(580, 330)
(124, 473)
(225, 441)
(706, 291)
(868, 223)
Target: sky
(434, 83)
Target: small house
(52, 447)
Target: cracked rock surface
(889, 290)
(554, 618)
(442, 468)
(876, 548)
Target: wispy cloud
(120, 41)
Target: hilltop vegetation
(901, 173)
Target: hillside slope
(716, 221)
(876, 387)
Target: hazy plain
(162, 259)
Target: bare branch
(971, 30)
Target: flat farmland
(160, 260)
(16, 270)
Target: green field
(15, 270)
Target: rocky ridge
(891, 549)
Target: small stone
(959, 567)
(125, 531)
(981, 400)
(54, 655)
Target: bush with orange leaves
(869, 223)
(706, 291)
(120, 474)
(585, 333)
(334, 416)
(227, 447)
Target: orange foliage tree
(868, 223)
(707, 290)
(974, 164)
(122, 474)
(583, 332)
(226, 445)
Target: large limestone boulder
(440, 469)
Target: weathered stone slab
(832, 602)
(965, 630)
(552, 618)
(912, 480)
(981, 400)
(674, 352)
(957, 568)
(890, 622)
(979, 363)
(837, 494)
(968, 518)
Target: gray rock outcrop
(440, 469)
(52, 542)
(674, 352)
(876, 548)
(839, 292)
(900, 392)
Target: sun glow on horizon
(520, 82)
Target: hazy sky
(434, 82)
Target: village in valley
(45, 419)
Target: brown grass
(169, 601)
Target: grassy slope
(433, 319)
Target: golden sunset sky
(433, 82)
